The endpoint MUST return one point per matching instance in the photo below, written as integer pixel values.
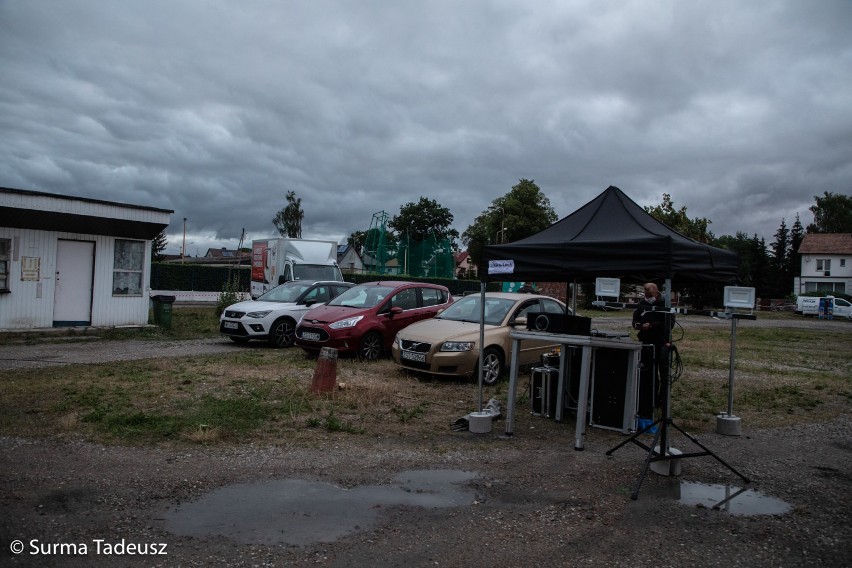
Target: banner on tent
(501, 266)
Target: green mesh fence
(430, 258)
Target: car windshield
(288, 292)
(362, 296)
(467, 309)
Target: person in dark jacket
(650, 320)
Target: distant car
(842, 308)
(449, 343)
(274, 315)
(810, 306)
(364, 320)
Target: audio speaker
(609, 387)
(559, 323)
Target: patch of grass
(257, 394)
(406, 413)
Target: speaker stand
(656, 453)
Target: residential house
(465, 268)
(826, 263)
(349, 260)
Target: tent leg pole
(481, 344)
(573, 297)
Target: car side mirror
(520, 321)
(395, 310)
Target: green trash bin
(163, 310)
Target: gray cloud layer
(741, 111)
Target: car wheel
(283, 333)
(370, 348)
(492, 369)
(238, 339)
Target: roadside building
(826, 264)
(73, 261)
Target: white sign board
(501, 266)
(609, 287)
(739, 297)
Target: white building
(349, 260)
(826, 263)
(71, 261)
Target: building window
(823, 264)
(127, 268)
(826, 287)
(842, 263)
(5, 253)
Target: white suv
(273, 316)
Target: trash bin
(163, 310)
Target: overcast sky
(742, 111)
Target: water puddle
(731, 499)
(297, 512)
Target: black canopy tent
(610, 236)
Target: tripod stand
(659, 449)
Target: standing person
(526, 288)
(652, 329)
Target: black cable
(682, 332)
(670, 353)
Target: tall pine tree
(797, 233)
(781, 262)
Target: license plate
(412, 356)
(310, 336)
(231, 325)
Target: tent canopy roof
(610, 236)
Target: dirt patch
(535, 500)
(532, 500)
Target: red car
(365, 319)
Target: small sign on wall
(30, 268)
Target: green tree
(832, 214)
(741, 244)
(425, 238)
(158, 247)
(797, 233)
(356, 240)
(679, 221)
(422, 220)
(762, 277)
(523, 211)
(288, 221)
(780, 262)
(359, 239)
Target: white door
(72, 298)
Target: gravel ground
(532, 499)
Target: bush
(230, 294)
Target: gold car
(448, 344)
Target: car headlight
(457, 346)
(258, 315)
(345, 323)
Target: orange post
(325, 375)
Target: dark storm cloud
(217, 109)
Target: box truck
(275, 261)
